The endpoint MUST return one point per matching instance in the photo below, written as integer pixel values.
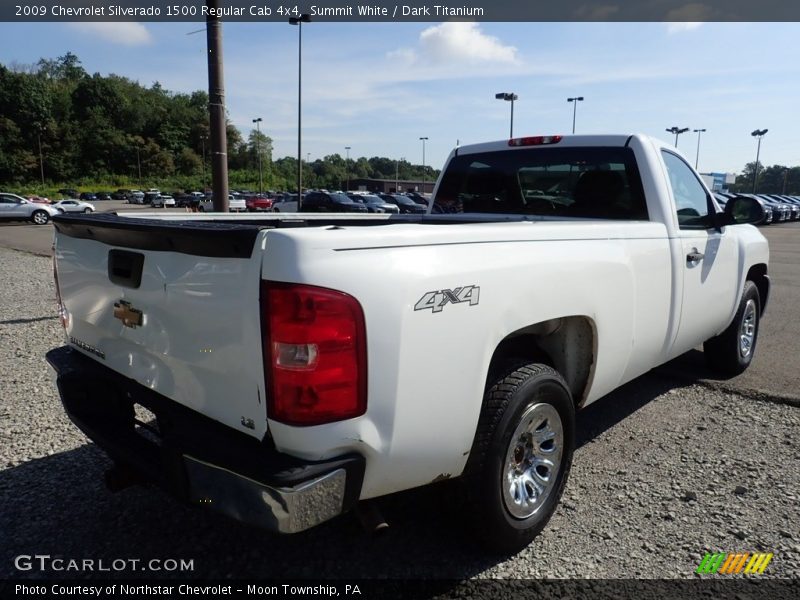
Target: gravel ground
(665, 471)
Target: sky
(379, 87)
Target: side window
(691, 200)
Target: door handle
(694, 256)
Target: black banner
(707, 588)
(407, 11)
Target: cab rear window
(591, 182)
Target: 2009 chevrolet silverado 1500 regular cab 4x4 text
(293, 365)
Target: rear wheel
(521, 456)
(40, 217)
(731, 352)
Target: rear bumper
(199, 460)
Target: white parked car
(17, 208)
(163, 201)
(235, 204)
(136, 197)
(65, 206)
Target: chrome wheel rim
(40, 218)
(747, 330)
(533, 460)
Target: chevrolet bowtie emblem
(129, 316)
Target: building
(718, 182)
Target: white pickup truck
(283, 369)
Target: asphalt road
(775, 371)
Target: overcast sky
(379, 87)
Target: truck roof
(545, 140)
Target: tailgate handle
(125, 268)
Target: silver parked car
(17, 208)
(74, 206)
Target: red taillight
(539, 140)
(315, 359)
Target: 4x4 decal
(437, 300)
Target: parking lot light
(677, 131)
(574, 101)
(508, 97)
(758, 133)
(697, 156)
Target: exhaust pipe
(370, 517)
(120, 477)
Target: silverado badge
(129, 316)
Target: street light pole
(304, 18)
(347, 168)
(697, 156)
(508, 97)
(677, 131)
(424, 139)
(574, 101)
(758, 133)
(258, 151)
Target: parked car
(794, 205)
(17, 208)
(317, 201)
(285, 203)
(167, 201)
(65, 206)
(102, 196)
(258, 203)
(120, 194)
(162, 201)
(235, 204)
(374, 204)
(779, 207)
(136, 197)
(418, 198)
(152, 198)
(88, 197)
(351, 363)
(68, 192)
(405, 204)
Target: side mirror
(742, 209)
(23, 201)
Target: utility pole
(216, 108)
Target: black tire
(40, 217)
(87, 210)
(501, 514)
(731, 352)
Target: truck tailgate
(173, 307)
